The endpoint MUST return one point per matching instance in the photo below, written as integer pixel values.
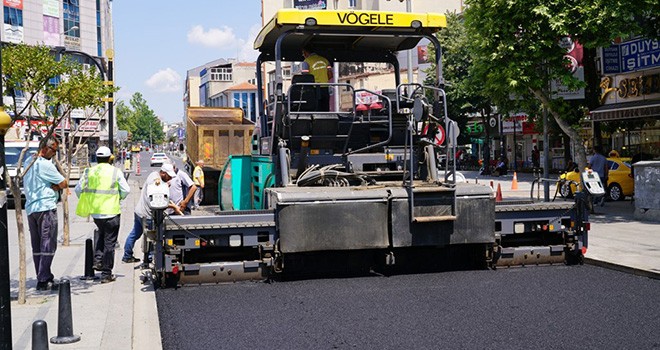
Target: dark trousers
(43, 235)
(105, 243)
(324, 99)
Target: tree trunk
(65, 216)
(65, 203)
(20, 231)
(576, 140)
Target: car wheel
(615, 192)
(565, 190)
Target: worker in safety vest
(100, 190)
(198, 179)
(320, 68)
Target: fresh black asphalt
(550, 307)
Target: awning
(627, 110)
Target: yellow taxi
(620, 182)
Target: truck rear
(212, 135)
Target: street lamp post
(5, 303)
(107, 78)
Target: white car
(158, 159)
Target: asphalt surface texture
(549, 307)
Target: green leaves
(139, 120)
(34, 70)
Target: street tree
(144, 124)
(516, 52)
(125, 117)
(51, 90)
(464, 94)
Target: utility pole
(5, 302)
(410, 72)
(111, 107)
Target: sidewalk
(117, 315)
(616, 240)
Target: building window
(71, 12)
(246, 101)
(99, 44)
(13, 16)
(221, 74)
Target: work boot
(130, 260)
(108, 279)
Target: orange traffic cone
(498, 196)
(514, 183)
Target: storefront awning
(628, 110)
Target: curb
(622, 268)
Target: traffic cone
(137, 171)
(514, 183)
(498, 196)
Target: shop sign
(474, 129)
(630, 56)
(89, 125)
(630, 87)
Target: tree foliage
(51, 89)
(514, 45)
(139, 120)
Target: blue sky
(156, 42)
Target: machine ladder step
(439, 218)
(432, 204)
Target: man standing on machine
(320, 68)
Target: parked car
(620, 182)
(158, 159)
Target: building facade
(630, 96)
(76, 25)
(222, 83)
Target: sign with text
(89, 125)
(630, 56)
(573, 57)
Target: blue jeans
(135, 234)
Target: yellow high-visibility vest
(100, 191)
(318, 67)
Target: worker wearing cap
(42, 182)
(143, 213)
(100, 190)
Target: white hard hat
(103, 152)
(168, 169)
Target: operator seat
(304, 98)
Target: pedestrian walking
(100, 189)
(42, 183)
(536, 157)
(198, 179)
(598, 163)
(142, 213)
